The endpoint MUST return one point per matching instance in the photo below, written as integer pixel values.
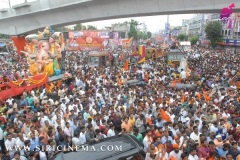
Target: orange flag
(126, 65)
(165, 116)
(149, 121)
(47, 86)
(59, 83)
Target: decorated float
(43, 52)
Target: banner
(87, 43)
(230, 23)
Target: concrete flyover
(30, 17)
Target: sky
(153, 23)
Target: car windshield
(101, 150)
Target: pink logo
(226, 12)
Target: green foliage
(213, 32)
(79, 27)
(194, 40)
(142, 35)
(149, 34)
(133, 31)
(3, 36)
(182, 37)
(90, 27)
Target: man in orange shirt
(127, 125)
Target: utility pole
(168, 26)
(9, 3)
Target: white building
(196, 25)
(184, 28)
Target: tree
(3, 36)
(182, 37)
(194, 40)
(213, 32)
(149, 34)
(90, 27)
(142, 35)
(79, 27)
(133, 31)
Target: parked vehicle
(121, 147)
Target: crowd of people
(171, 123)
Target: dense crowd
(201, 123)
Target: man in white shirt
(9, 144)
(75, 140)
(195, 135)
(176, 153)
(10, 101)
(147, 140)
(183, 74)
(82, 136)
(20, 143)
(111, 131)
(193, 155)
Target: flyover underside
(106, 9)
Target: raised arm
(28, 54)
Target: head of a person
(90, 127)
(176, 148)
(17, 155)
(195, 129)
(126, 119)
(193, 151)
(229, 156)
(184, 156)
(226, 147)
(9, 136)
(219, 138)
(149, 133)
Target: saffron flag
(142, 52)
(126, 65)
(149, 121)
(127, 43)
(59, 83)
(19, 43)
(165, 116)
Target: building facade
(121, 28)
(229, 31)
(184, 28)
(196, 25)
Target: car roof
(120, 146)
